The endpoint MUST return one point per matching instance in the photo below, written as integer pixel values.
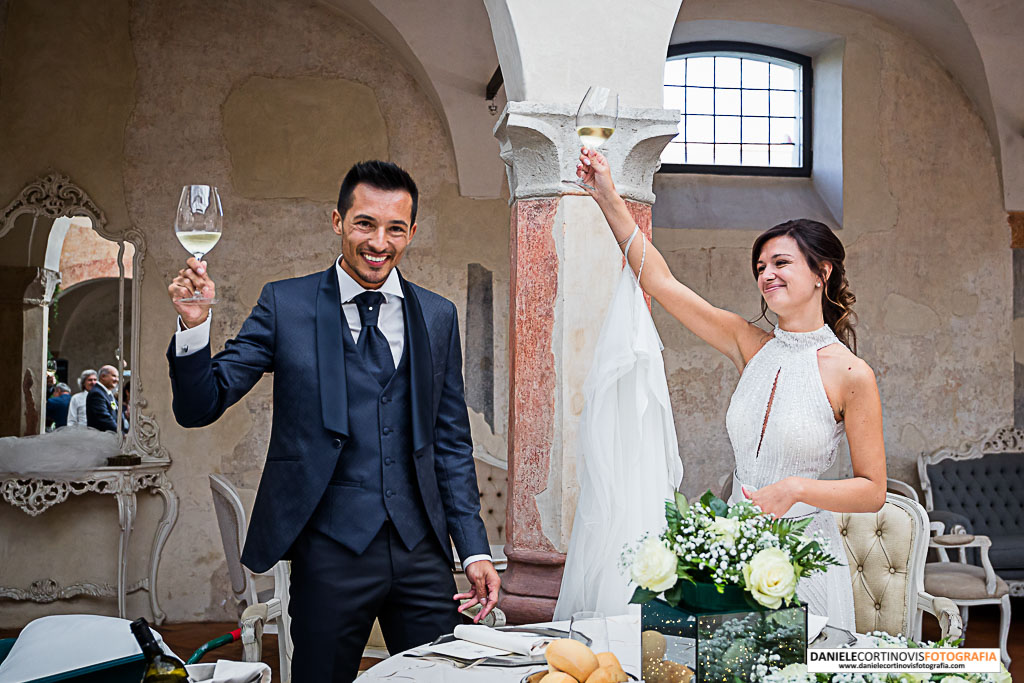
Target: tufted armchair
(887, 551)
(978, 487)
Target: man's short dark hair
(382, 175)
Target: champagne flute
(596, 119)
(198, 226)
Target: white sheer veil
(628, 462)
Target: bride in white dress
(801, 386)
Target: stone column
(35, 326)
(564, 266)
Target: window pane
(783, 77)
(727, 72)
(755, 74)
(783, 131)
(783, 103)
(738, 109)
(700, 128)
(727, 154)
(675, 72)
(755, 155)
(755, 102)
(674, 97)
(700, 154)
(700, 71)
(727, 101)
(755, 130)
(700, 101)
(783, 155)
(727, 129)
(675, 153)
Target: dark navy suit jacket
(99, 414)
(294, 331)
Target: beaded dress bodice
(792, 432)
(781, 424)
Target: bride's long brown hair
(819, 245)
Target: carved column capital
(540, 147)
(40, 291)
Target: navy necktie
(372, 346)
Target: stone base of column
(529, 588)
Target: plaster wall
(927, 253)
(85, 256)
(167, 87)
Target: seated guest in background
(57, 407)
(76, 411)
(101, 405)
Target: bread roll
(558, 677)
(608, 674)
(666, 671)
(653, 645)
(571, 657)
(608, 659)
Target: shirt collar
(392, 287)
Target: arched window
(745, 109)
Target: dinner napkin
(815, 625)
(507, 641)
(225, 671)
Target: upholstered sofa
(980, 486)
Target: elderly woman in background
(76, 410)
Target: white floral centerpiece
(797, 673)
(729, 547)
(727, 577)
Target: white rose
(953, 679)
(725, 528)
(914, 678)
(770, 577)
(1003, 676)
(655, 566)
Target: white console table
(34, 493)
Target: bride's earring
(817, 284)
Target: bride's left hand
(776, 499)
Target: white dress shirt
(76, 409)
(391, 323)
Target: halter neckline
(820, 337)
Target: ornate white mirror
(69, 301)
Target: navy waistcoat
(374, 479)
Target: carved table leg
(163, 530)
(126, 503)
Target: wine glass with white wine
(596, 119)
(198, 225)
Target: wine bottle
(160, 666)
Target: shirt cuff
(474, 558)
(188, 340)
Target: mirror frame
(54, 195)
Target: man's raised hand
(191, 279)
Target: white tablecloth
(623, 636)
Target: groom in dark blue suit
(369, 476)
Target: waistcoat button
(336, 443)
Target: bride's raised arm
(723, 330)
